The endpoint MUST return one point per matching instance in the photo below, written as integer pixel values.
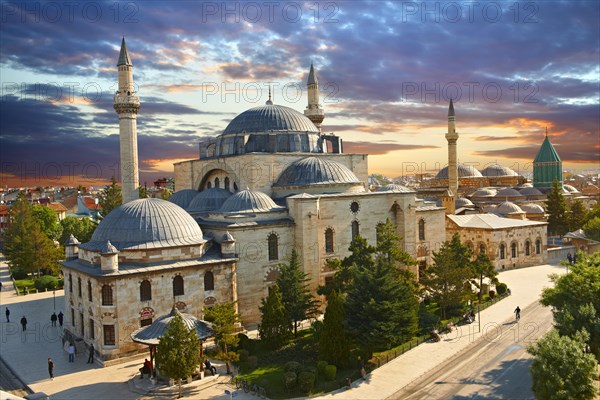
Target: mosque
(270, 182)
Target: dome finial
(269, 102)
(546, 130)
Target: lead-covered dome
(506, 208)
(392, 187)
(315, 171)
(183, 197)
(531, 208)
(209, 200)
(497, 170)
(270, 118)
(146, 223)
(464, 171)
(248, 201)
(530, 191)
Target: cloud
(380, 148)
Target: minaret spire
(127, 104)
(313, 111)
(452, 138)
(269, 102)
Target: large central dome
(270, 118)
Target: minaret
(127, 104)
(452, 138)
(313, 111)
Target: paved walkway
(27, 352)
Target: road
(495, 367)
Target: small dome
(464, 171)
(571, 189)
(507, 208)
(484, 193)
(248, 201)
(146, 223)
(533, 208)
(151, 334)
(508, 192)
(209, 200)
(498, 170)
(525, 185)
(530, 191)
(315, 171)
(395, 188)
(183, 197)
(270, 117)
(462, 202)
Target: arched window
(209, 281)
(513, 250)
(235, 187)
(217, 182)
(273, 247)
(226, 183)
(328, 240)
(145, 290)
(527, 248)
(482, 248)
(538, 246)
(107, 295)
(421, 229)
(178, 286)
(70, 283)
(502, 251)
(79, 286)
(89, 291)
(208, 185)
(355, 230)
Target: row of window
(514, 248)
(226, 184)
(145, 288)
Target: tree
(82, 229)
(165, 194)
(447, 280)
(578, 215)
(575, 300)
(143, 192)
(388, 245)
(592, 229)
(274, 328)
(560, 369)
(483, 268)
(48, 221)
(297, 299)
(178, 350)
(26, 247)
(334, 345)
(557, 211)
(224, 318)
(110, 198)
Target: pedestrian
(51, 368)
(0, 286)
(60, 318)
(210, 367)
(361, 367)
(71, 352)
(7, 312)
(24, 323)
(570, 258)
(53, 319)
(518, 313)
(91, 356)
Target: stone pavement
(27, 352)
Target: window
(81, 325)
(107, 295)
(421, 229)
(146, 322)
(513, 250)
(482, 248)
(329, 240)
(355, 230)
(217, 182)
(89, 291)
(538, 246)
(502, 251)
(527, 248)
(209, 185)
(79, 286)
(145, 290)
(273, 247)
(91, 325)
(209, 281)
(178, 286)
(73, 317)
(227, 183)
(70, 283)
(329, 280)
(109, 335)
(354, 207)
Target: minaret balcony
(126, 99)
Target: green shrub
(317, 329)
(306, 380)
(46, 282)
(501, 288)
(321, 366)
(292, 366)
(312, 369)
(252, 361)
(330, 372)
(18, 274)
(289, 380)
(246, 343)
(243, 353)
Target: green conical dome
(547, 166)
(547, 153)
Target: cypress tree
(557, 211)
(334, 346)
(274, 328)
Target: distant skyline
(386, 72)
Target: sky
(386, 71)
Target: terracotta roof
(57, 207)
(91, 203)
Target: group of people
(53, 319)
(146, 368)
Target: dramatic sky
(386, 72)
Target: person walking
(570, 258)
(361, 367)
(7, 313)
(60, 318)
(50, 368)
(91, 355)
(53, 319)
(518, 313)
(71, 352)
(24, 323)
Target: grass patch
(25, 283)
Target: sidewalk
(27, 353)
